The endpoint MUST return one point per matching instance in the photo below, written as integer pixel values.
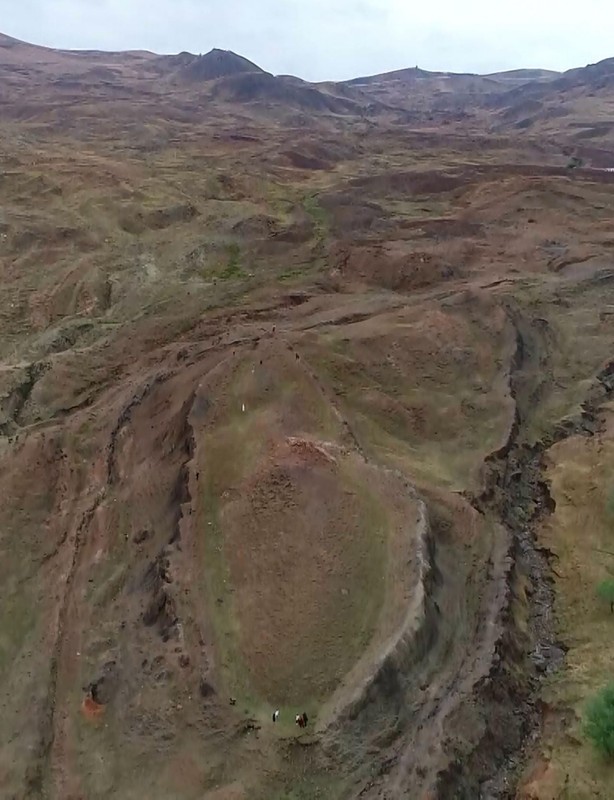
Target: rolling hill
(305, 405)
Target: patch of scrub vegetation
(605, 592)
(233, 267)
(599, 722)
(318, 215)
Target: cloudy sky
(331, 39)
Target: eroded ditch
(517, 494)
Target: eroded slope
(276, 398)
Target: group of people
(300, 719)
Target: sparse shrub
(599, 721)
(574, 163)
(312, 206)
(318, 215)
(605, 591)
(233, 267)
(609, 504)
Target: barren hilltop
(305, 406)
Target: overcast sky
(331, 39)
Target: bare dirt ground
(288, 389)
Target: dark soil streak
(516, 493)
(124, 418)
(20, 396)
(182, 496)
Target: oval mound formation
(299, 537)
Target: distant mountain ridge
(579, 101)
(220, 63)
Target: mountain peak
(219, 63)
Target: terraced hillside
(302, 408)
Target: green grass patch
(599, 721)
(310, 788)
(319, 216)
(17, 621)
(233, 269)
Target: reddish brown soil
(274, 388)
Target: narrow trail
(459, 684)
(331, 399)
(351, 694)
